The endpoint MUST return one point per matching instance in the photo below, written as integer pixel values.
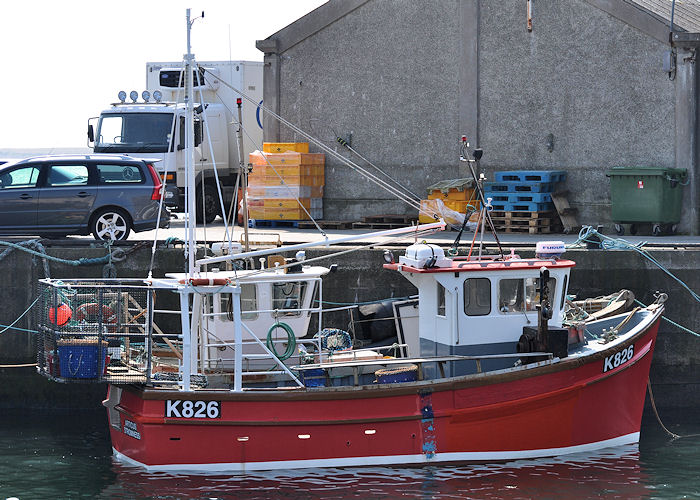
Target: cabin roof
(461, 266)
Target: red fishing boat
(487, 370)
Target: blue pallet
(501, 196)
(531, 176)
(523, 206)
(272, 223)
(519, 187)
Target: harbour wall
(675, 373)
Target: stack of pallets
(522, 200)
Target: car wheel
(110, 224)
(209, 209)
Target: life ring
(205, 281)
(90, 311)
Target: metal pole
(185, 363)
(243, 172)
(189, 154)
(326, 242)
(237, 340)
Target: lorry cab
(154, 127)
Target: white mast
(189, 156)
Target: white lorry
(154, 128)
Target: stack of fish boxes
(285, 177)
(455, 194)
(522, 199)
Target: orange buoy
(60, 315)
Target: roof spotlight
(300, 255)
(157, 95)
(134, 96)
(145, 95)
(122, 96)
(388, 257)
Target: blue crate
(316, 377)
(81, 360)
(397, 375)
(552, 176)
(519, 187)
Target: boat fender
(61, 314)
(90, 311)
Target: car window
(120, 174)
(22, 177)
(67, 175)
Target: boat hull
(575, 405)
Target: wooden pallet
(379, 225)
(325, 224)
(566, 213)
(402, 220)
(525, 222)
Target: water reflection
(613, 473)
(45, 455)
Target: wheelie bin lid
(678, 173)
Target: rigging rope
(588, 235)
(331, 152)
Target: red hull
(578, 404)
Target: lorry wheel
(620, 229)
(656, 230)
(209, 209)
(110, 224)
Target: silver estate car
(106, 195)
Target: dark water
(47, 456)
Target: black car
(106, 195)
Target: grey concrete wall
(674, 372)
(584, 76)
(388, 74)
(406, 79)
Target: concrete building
(577, 85)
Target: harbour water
(67, 456)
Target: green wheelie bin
(647, 195)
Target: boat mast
(189, 155)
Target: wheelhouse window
(67, 175)
(23, 177)
(521, 295)
(440, 300)
(249, 303)
(477, 296)
(288, 297)
(563, 293)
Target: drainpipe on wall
(687, 130)
(271, 87)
